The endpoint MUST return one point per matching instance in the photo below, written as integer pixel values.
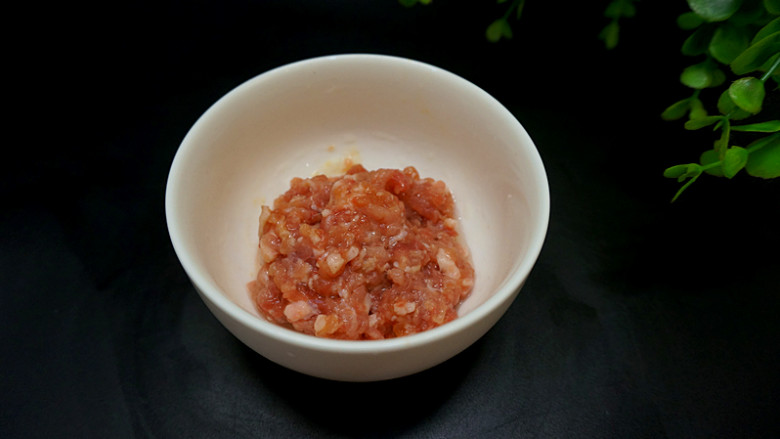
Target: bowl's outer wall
(205, 200)
(339, 366)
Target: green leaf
(629, 10)
(727, 107)
(750, 14)
(682, 172)
(506, 30)
(714, 10)
(772, 6)
(691, 170)
(699, 41)
(702, 75)
(689, 20)
(748, 94)
(770, 28)
(695, 124)
(620, 8)
(728, 42)
(756, 54)
(614, 9)
(677, 110)
(610, 34)
(718, 77)
(723, 142)
(676, 171)
(735, 159)
(764, 159)
(498, 29)
(709, 157)
(697, 109)
(697, 76)
(770, 126)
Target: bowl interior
(306, 118)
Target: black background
(641, 318)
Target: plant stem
(771, 70)
(516, 4)
(688, 183)
(753, 148)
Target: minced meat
(367, 255)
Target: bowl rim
(209, 290)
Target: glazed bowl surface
(310, 116)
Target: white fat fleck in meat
(403, 308)
(268, 250)
(400, 236)
(447, 265)
(319, 322)
(367, 301)
(297, 311)
(412, 269)
(465, 252)
(368, 264)
(265, 213)
(326, 324)
(352, 253)
(335, 262)
(439, 316)
(353, 321)
(311, 233)
(450, 223)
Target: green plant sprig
(410, 3)
(743, 36)
(734, 159)
(500, 28)
(737, 39)
(616, 10)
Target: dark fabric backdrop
(641, 319)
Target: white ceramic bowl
(384, 112)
